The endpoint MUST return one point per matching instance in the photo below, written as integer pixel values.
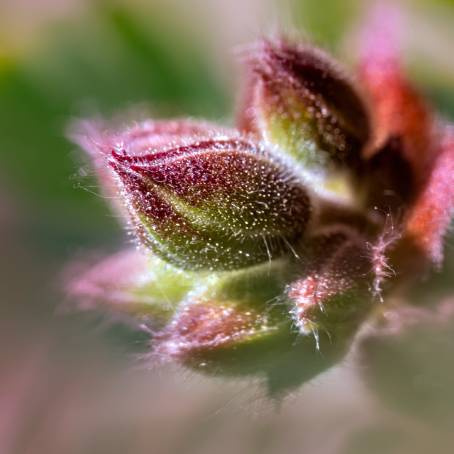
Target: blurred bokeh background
(68, 381)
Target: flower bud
(398, 110)
(238, 326)
(230, 313)
(422, 166)
(430, 216)
(304, 105)
(213, 204)
(129, 284)
(97, 138)
(208, 326)
(335, 294)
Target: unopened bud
(304, 105)
(213, 204)
(239, 325)
(98, 138)
(335, 293)
(132, 285)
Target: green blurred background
(62, 59)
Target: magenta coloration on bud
(334, 294)
(213, 204)
(303, 103)
(206, 326)
(398, 110)
(98, 139)
(431, 215)
(129, 284)
(108, 280)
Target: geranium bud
(422, 165)
(304, 105)
(266, 247)
(98, 138)
(238, 325)
(430, 216)
(398, 110)
(228, 313)
(213, 204)
(334, 295)
(130, 284)
(206, 326)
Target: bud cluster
(265, 246)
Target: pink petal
(432, 213)
(398, 110)
(109, 281)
